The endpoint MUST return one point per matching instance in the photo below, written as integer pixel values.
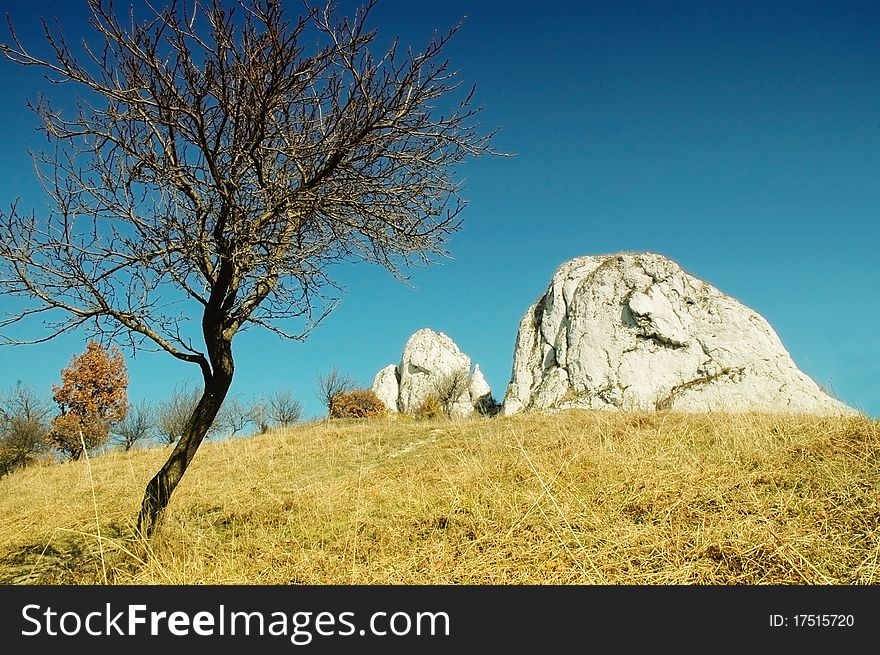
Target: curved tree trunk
(158, 492)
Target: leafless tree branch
(217, 164)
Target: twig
(94, 504)
(561, 513)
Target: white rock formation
(428, 358)
(634, 331)
(386, 386)
(478, 387)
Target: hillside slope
(576, 497)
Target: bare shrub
(234, 417)
(330, 385)
(136, 426)
(24, 423)
(173, 413)
(449, 387)
(278, 409)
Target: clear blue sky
(741, 139)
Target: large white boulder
(634, 331)
(430, 359)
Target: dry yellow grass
(570, 498)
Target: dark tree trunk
(158, 492)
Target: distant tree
(226, 157)
(24, 423)
(234, 417)
(278, 409)
(136, 426)
(284, 409)
(332, 384)
(92, 395)
(173, 413)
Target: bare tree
(24, 424)
(173, 413)
(278, 409)
(284, 409)
(217, 164)
(330, 385)
(136, 426)
(234, 417)
(24, 402)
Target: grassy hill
(571, 498)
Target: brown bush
(358, 403)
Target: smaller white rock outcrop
(431, 361)
(478, 387)
(386, 386)
(427, 357)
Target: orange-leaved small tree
(92, 395)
